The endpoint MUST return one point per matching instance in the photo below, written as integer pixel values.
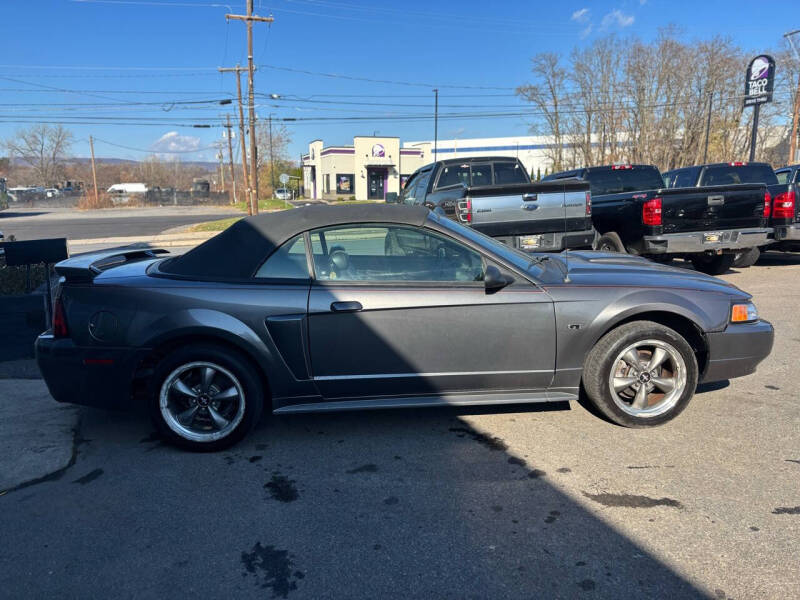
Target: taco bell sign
(759, 79)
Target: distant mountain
(207, 165)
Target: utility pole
(708, 128)
(796, 108)
(94, 172)
(249, 196)
(228, 127)
(271, 157)
(435, 124)
(248, 19)
(221, 160)
(754, 133)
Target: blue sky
(64, 60)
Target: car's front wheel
(205, 397)
(641, 374)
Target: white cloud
(581, 16)
(586, 31)
(618, 18)
(172, 141)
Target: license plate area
(530, 242)
(712, 237)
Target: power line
(97, 139)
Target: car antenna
(566, 249)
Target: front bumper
(693, 242)
(553, 241)
(737, 350)
(90, 376)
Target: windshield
(733, 174)
(620, 181)
(518, 258)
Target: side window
(392, 253)
(453, 175)
(508, 172)
(783, 176)
(408, 194)
(422, 185)
(481, 174)
(287, 262)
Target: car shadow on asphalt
(395, 503)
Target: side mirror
(494, 280)
(391, 198)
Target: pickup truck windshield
(620, 181)
(733, 174)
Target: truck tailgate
(529, 208)
(713, 207)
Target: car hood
(613, 269)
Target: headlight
(744, 312)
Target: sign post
(759, 81)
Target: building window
(403, 181)
(344, 184)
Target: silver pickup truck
(495, 196)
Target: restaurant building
(371, 168)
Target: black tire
(715, 264)
(610, 242)
(602, 363)
(746, 258)
(233, 371)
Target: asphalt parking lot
(522, 502)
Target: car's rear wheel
(713, 264)
(641, 374)
(746, 258)
(205, 397)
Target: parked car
(785, 210)
(283, 194)
(633, 212)
(52, 192)
(344, 307)
(495, 196)
(731, 173)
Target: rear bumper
(693, 242)
(554, 241)
(787, 233)
(737, 350)
(90, 376)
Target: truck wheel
(715, 264)
(641, 374)
(205, 397)
(746, 258)
(610, 242)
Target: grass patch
(266, 204)
(219, 225)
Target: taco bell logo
(378, 151)
(760, 75)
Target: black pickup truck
(783, 216)
(495, 196)
(633, 211)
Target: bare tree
(273, 159)
(44, 149)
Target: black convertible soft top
(237, 252)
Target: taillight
(783, 207)
(651, 212)
(621, 167)
(738, 163)
(465, 210)
(767, 204)
(59, 319)
(588, 204)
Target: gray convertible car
(333, 308)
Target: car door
(402, 311)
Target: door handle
(530, 197)
(352, 306)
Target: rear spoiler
(85, 267)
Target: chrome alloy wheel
(202, 401)
(647, 378)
